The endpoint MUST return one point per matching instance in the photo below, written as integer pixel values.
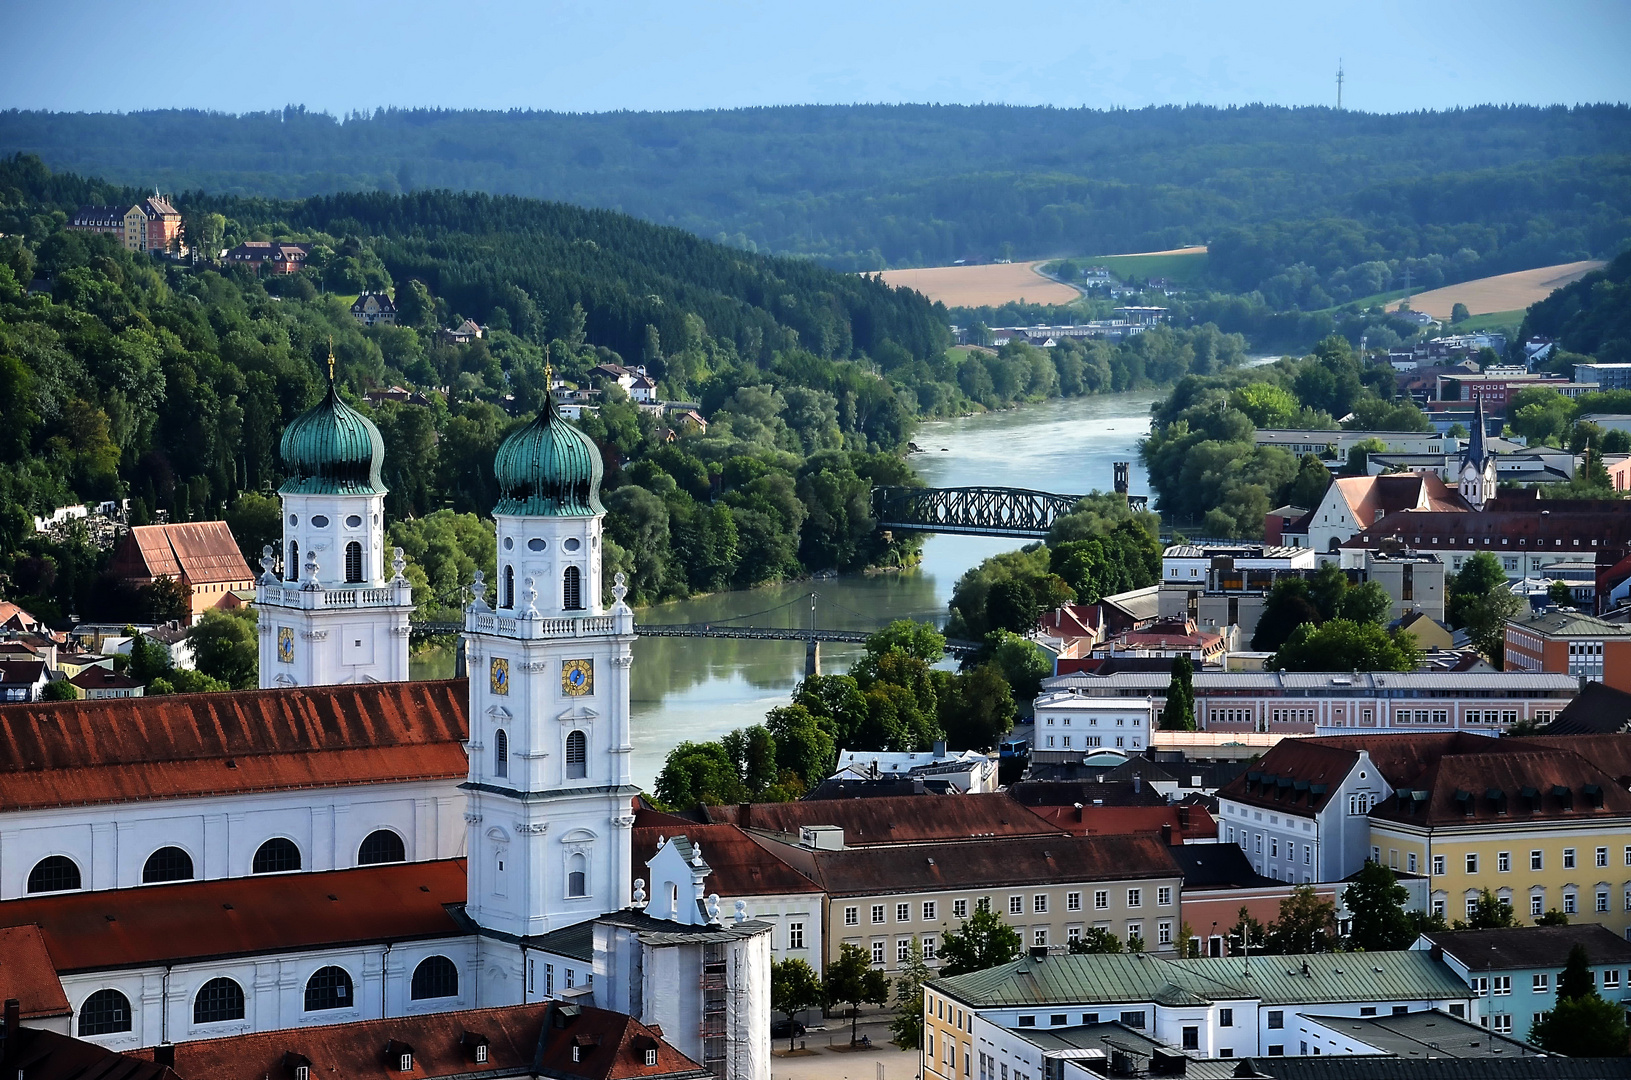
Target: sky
(579, 56)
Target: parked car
(786, 1029)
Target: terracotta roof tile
(196, 920)
(28, 973)
(1129, 820)
(988, 863)
(903, 819)
(200, 551)
(443, 1044)
(49, 1055)
(119, 749)
(739, 865)
(1517, 786)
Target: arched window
(276, 856)
(577, 875)
(218, 1000)
(167, 864)
(291, 572)
(104, 1013)
(381, 846)
(330, 988)
(509, 587)
(54, 874)
(435, 977)
(572, 589)
(353, 562)
(577, 756)
(501, 754)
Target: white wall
(274, 987)
(111, 843)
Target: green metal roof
(1111, 978)
(549, 468)
(332, 449)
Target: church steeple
(1478, 469)
(549, 743)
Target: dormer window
(405, 1063)
(481, 1054)
(651, 1057)
(577, 1053)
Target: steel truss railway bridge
(978, 511)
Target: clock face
(577, 677)
(285, 644)
(498, 675)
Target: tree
(804, 747)
(852, 980)
(59, 690)
(908, 1022)
(1560, 594)
(1022, 662)
(976, 708)
(1459, 313)
(226, 646)
(1488, 913)
(1096, 939)
(1011, 605)
(794, 987)
(753, 751)
(1478, 576)
(163, 600)
(1343, 645)
(982, 941)
(1307, 924)
(1179, 712)
(1582, 1024)
(699, 773)
(255, 522)
(1485, 618)
(1288, 606)
(1582, 1027)
(1553, 916)
(1376, 901)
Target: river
(699, 688)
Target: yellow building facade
(1582, 869)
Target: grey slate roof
(1434, 1034)
(1116, 978)
(1523, 948)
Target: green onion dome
(549, 468)
(332, 449)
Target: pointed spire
(331, 361)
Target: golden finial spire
(549, 378)
(331, 359)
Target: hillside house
(150, 225)
(201, 555)
(282, 257)
(374, 307)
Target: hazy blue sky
(588, 56)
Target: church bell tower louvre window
(353, 562)
(572, 589)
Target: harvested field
(979, 286)
(1503, 292)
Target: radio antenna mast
(1339, 83)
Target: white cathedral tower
(1478, 479)
(332, 617)
(549, 787)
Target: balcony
(538, 628)
(278, 594)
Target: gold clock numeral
(577, 677)
(498, 675)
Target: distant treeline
(1308, 206)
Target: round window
(319, 522)
(353, 522)
(509, 542)
(571, 543)
(535, 544)
(293, 520)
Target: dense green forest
(1590, 318)
(1310, 207)
(127, 376)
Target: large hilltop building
(342, 845)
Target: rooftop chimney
(165, 1054)
(1166, 833)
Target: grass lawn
(1496, 320)
(1185, 268)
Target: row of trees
(893, 698)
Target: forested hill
(864, 187)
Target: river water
(699, 688)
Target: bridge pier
(812, 658)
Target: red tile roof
(48, 1055)
(101, 678)
(739, 865)
(895, 819)
(521, 1040)
(198, 920)
(979, 864)
(1517, 787)
(1394, 492)
(15, 618)
(200, 551)
(1129, 820)
(28, 973)
(1554, 531)
(170, 746)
